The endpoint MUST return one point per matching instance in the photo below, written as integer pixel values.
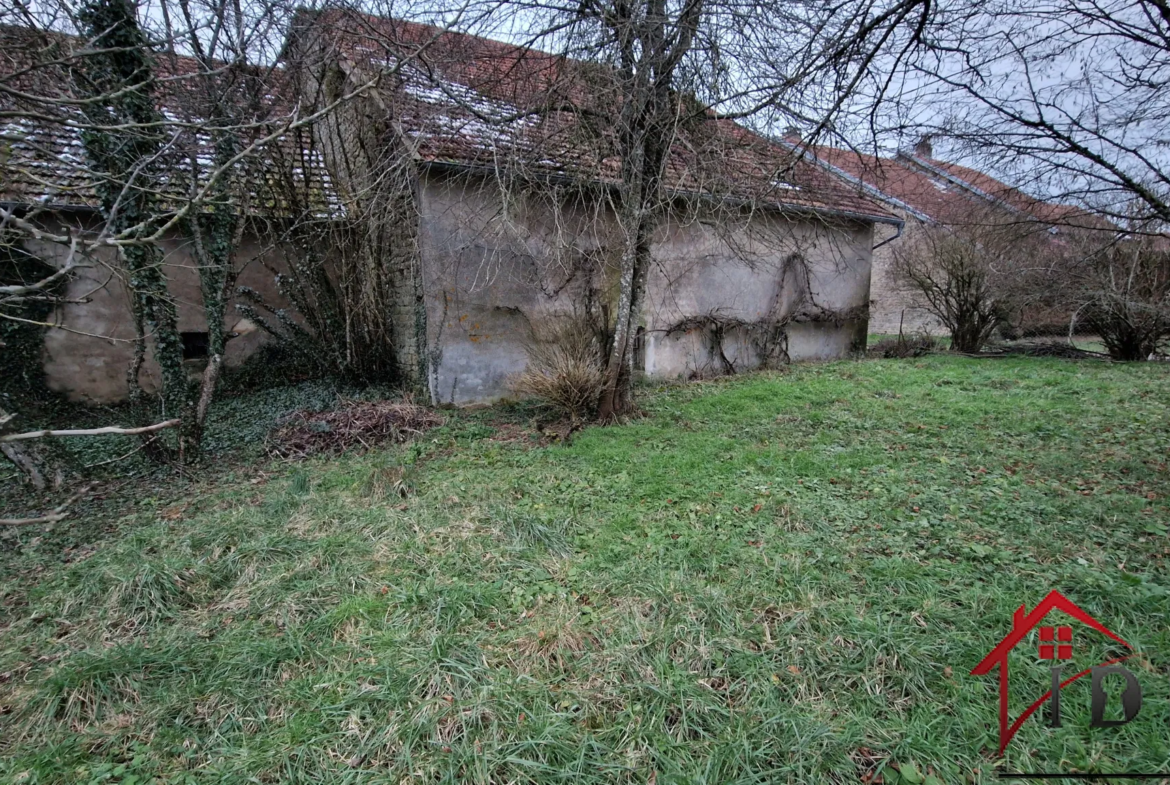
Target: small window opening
(195, 345)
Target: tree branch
(112, 429)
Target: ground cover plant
(778, 577)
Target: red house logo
(1056, 644)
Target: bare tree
(168, 126)
(1067, 98)
(648, 89)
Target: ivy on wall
(768, 335)
(23, 381)
(122, 140)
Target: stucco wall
(750, 272)
(88, 354)
(494, 267)
(894, 303)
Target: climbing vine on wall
(121, 140)
(768, 335)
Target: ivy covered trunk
(216, 234)
(123, 144)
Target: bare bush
(972, 278)
(1122, 294)
(566, 369)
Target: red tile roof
(43, 160)
(930, 198)
(473, 102)
(1000, 191)
(944, 192)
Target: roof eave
(780, 206)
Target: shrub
(1122, 294)
(566, 369)
(972, 278)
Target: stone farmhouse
(488, 200)
(504, 212)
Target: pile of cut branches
(1045, 349)
(352, 425)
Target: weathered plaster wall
(495, 266)
(893, 303)
(751, 272)
(88, 354)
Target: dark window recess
(195, 345)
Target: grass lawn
(772, 578)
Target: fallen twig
(112, 429)
(146, 443)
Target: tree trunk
(615, 399)
(31, 461)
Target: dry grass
(565, 370)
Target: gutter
(55, 207)
(890, 239)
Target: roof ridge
(917, 160)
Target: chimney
(924, 149)
(792, 134)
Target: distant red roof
(944, 192)
(1014, 197)
(473, 102)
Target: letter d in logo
(1131, 697)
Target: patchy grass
(773, 578)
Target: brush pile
(1050, 349)
(352, 425)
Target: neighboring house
(498, 213)
(925, 191)
(474, 180)
(43, 168)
